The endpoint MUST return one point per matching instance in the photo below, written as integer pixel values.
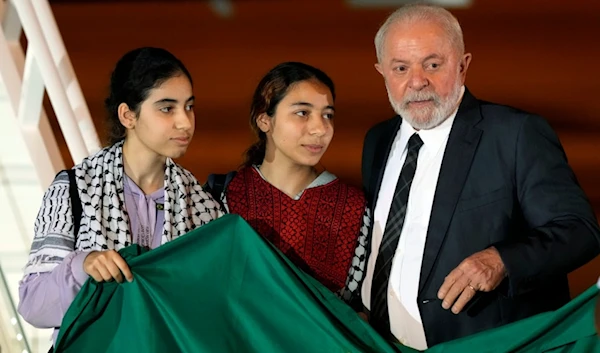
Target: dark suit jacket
(504, 182)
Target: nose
(317, 125)
(184, 120)
(418, 80)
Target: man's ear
(379, 68)
(464, 66)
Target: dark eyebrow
(306, 104)
(171, 100)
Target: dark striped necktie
(380, 319)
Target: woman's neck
(145, 168)
(291, 179)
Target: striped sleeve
(54, 235)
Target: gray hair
(421, 12)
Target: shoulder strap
(217, 183)
(76, 207)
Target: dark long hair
(270, 91)
(135, 74)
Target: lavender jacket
(45, 297)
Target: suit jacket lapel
(382, 152)
(460, 150)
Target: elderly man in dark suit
(477, 216)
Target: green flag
(223, 288)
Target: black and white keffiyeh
(358, 267)
(105, 222)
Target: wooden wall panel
(536, 55)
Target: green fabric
(569, 329)
(222, 288)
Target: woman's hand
(105, 266)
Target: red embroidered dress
(318, 232)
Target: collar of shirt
(131, 188)
(322, 179)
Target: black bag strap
(216, 184)
(76, 207)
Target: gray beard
(441, 110)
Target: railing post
(69, 79)
(56, 92)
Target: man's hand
(107, 265)
(363, 316)
(482, 271)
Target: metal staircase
(33, 62)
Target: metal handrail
(15, 320)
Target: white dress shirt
(405, 319)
